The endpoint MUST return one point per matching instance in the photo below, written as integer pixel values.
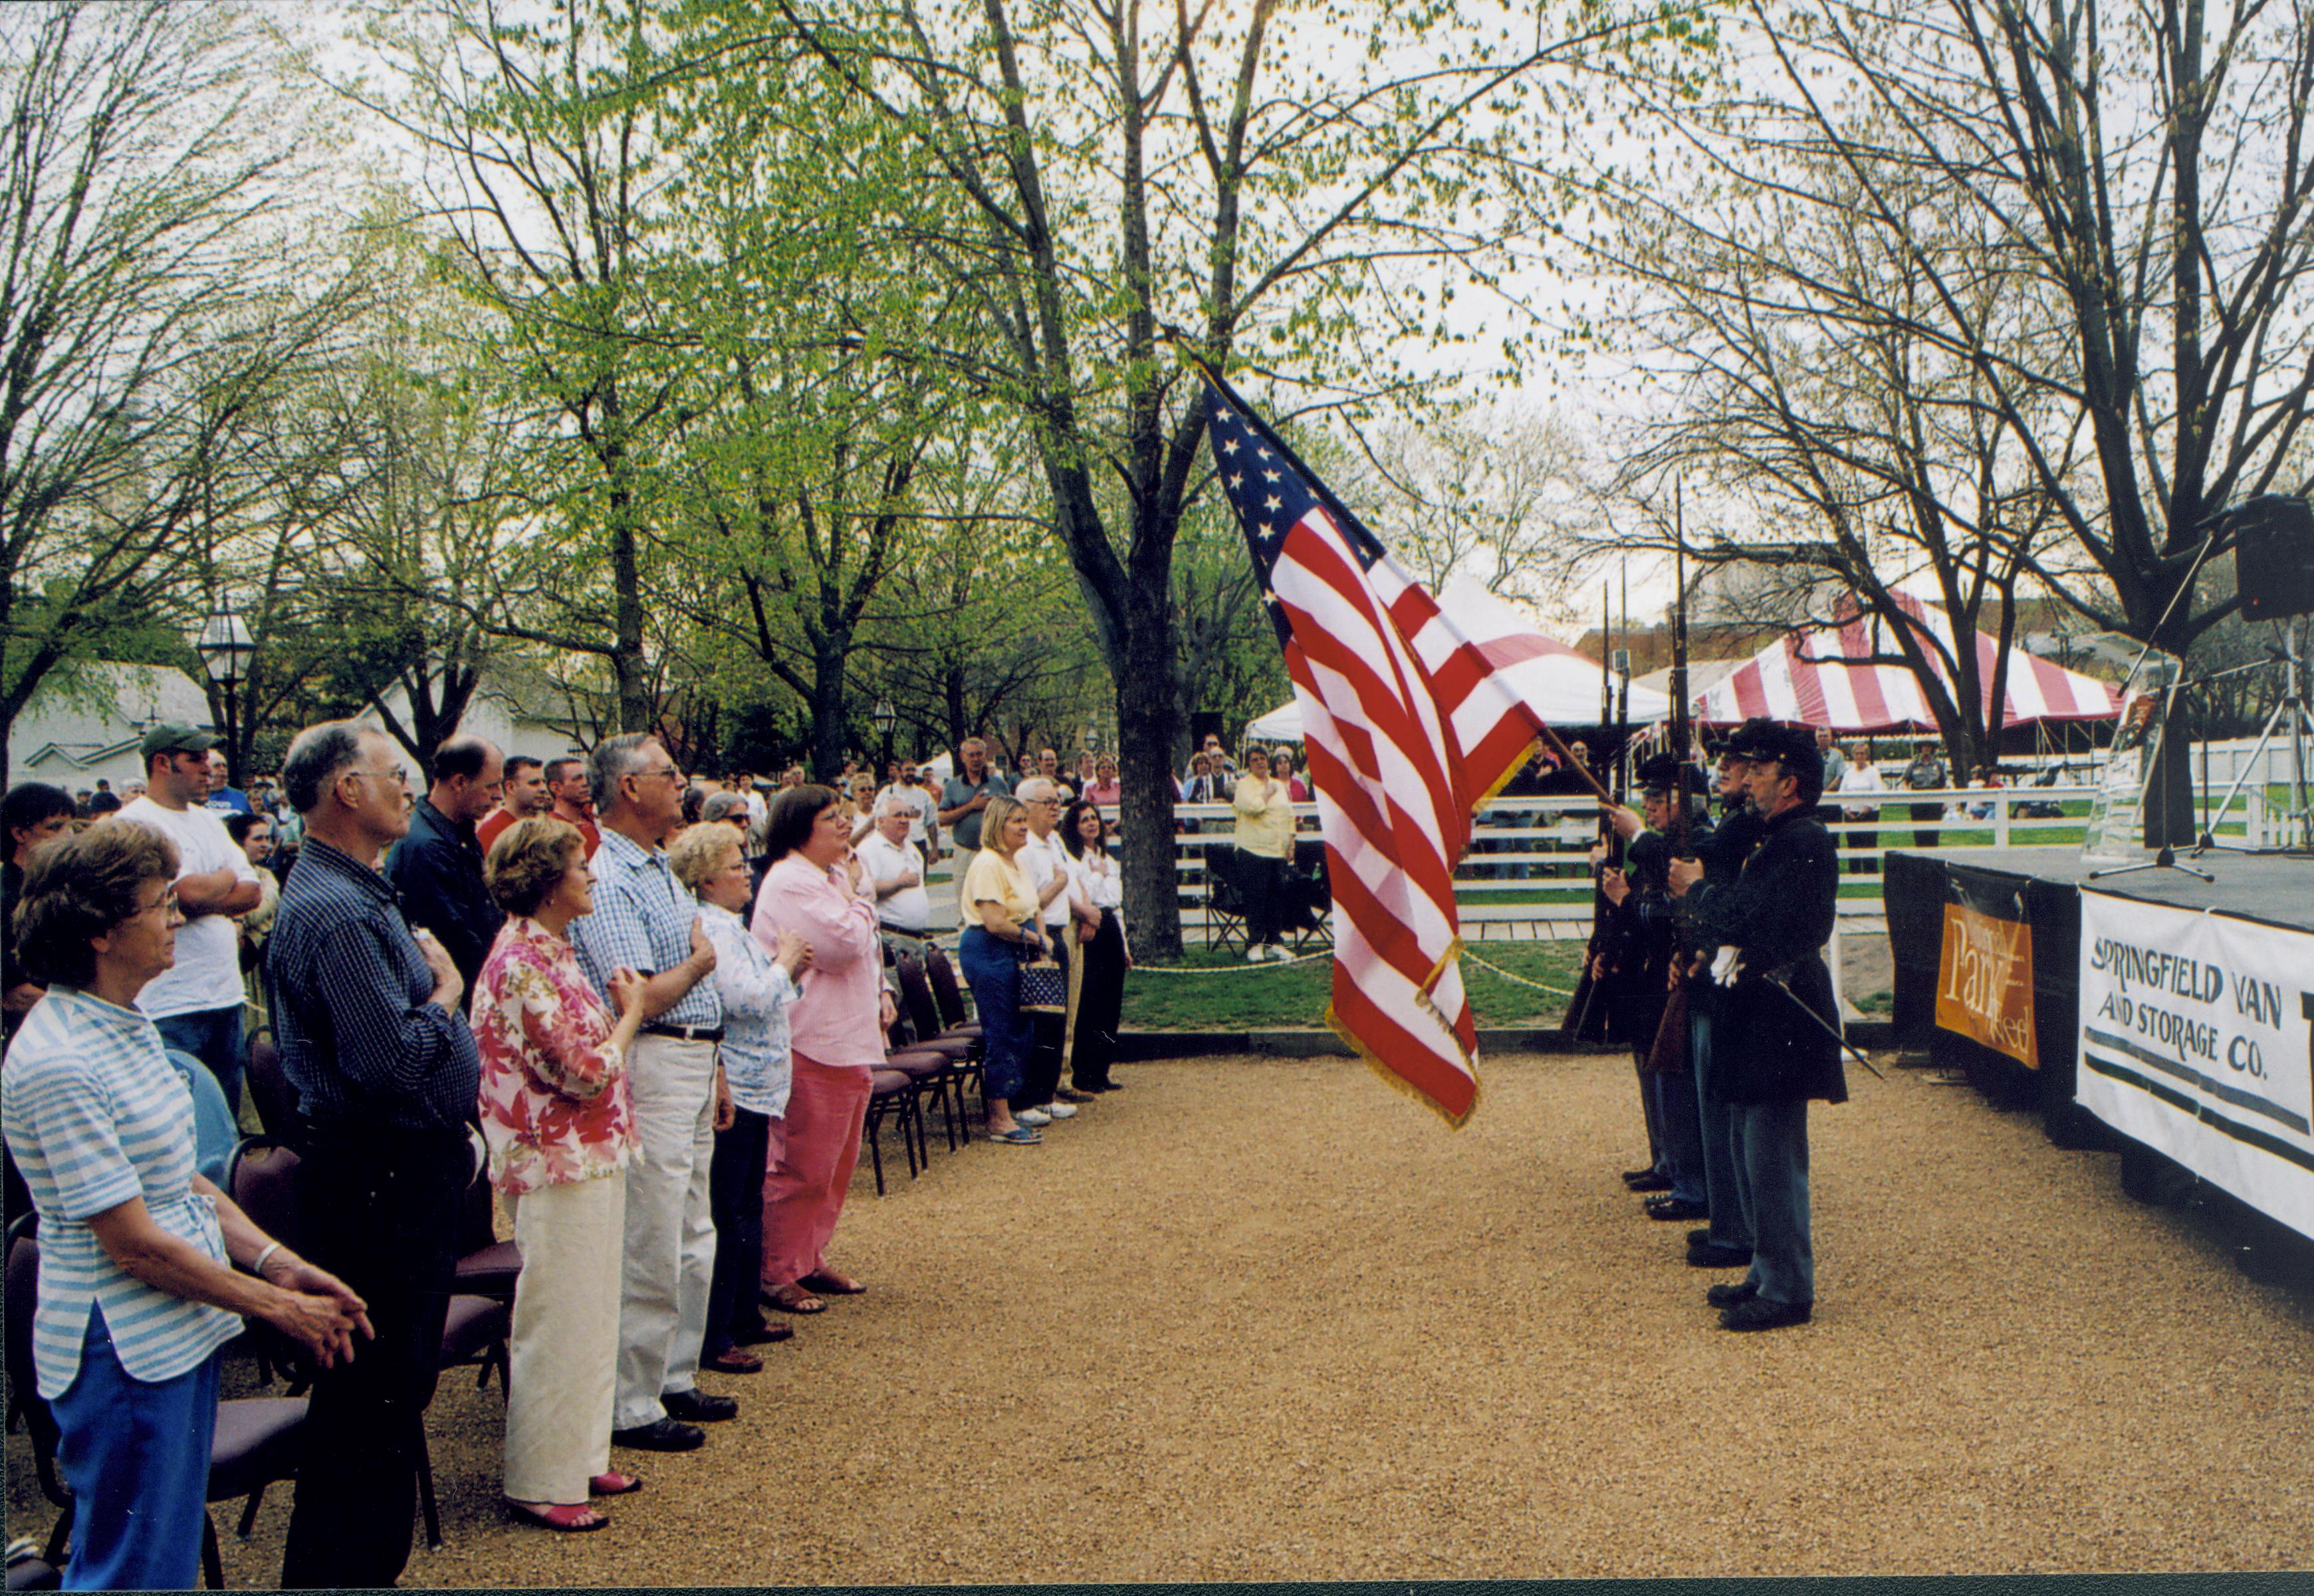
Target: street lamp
(885, 718)
(227, 648)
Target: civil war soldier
(1776, 1036)
(1642, 945)
(1725, 1241)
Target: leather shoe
(1704, 1255)
(665, 1436)
(1668, 1208)
(700, 1407)
(1645, 1180)
(1729, 1293)
(1760, 1314)
(1698, 1236)
(758, 1334)
(1070, 1094)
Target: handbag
(1044, 989)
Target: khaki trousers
(564, 1348)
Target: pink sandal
(615, 1484)
(575, 1518)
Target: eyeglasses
(670, 771)
(164, 906)
(398, 776)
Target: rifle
(1672, 1035)
(1586, 989)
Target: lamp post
(227, 648)
(885, 718)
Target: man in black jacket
(437, 868)
(1726, 1243)
(1642, 948)
(1770, 1058)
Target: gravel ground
(1261, 1319)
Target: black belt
(686, 1032)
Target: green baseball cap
(168, 737)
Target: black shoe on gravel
(665, 1436)
(1731, 1294)
(1760, 1314)
(1704, 1255)
(698, 1407)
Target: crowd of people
(644, 1006)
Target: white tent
(1561, 685)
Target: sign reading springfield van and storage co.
(2197, 1039)
(1985, 982)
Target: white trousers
(670, 1229)
(565, 1345)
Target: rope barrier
(1557, 992)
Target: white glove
(1726, 964)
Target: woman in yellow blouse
(1003, 932)
(1264, 843)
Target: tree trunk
(827, 727)
(1148, 725)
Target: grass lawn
(1240, 997)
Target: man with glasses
(370, 1020)
(438, 866)
(907, 790)
(647, 920)
(197, 1002)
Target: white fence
(1527, 875)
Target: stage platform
(2197, 1030)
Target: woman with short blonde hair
(757, 983)
(1003, 931)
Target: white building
(509, 707)
(83, 723)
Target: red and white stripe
(1818, 677)
(1408, 722)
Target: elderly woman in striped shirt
(140, 1257)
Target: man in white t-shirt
(896, 868)
(196, 1005)
(924, 813)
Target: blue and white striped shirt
(756, 993)
(95, 1116)
(643, 919)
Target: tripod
(2292, 707)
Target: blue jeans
(135, 1454)
(1722, 1183)
(1773, 1137)
(994, 971)
(212, 1035)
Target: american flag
(1409, 725)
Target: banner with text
(2197, 1039)
(1985, 982)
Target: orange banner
(1984, 982)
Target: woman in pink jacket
(835, 1037)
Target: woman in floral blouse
(557, 1115)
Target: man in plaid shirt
(647, 920)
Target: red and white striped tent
(1819, 678)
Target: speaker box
(2273, 556)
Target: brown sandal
(733, 1360)
(833, 1283)
(793, 1299)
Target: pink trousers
(808, 1175)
